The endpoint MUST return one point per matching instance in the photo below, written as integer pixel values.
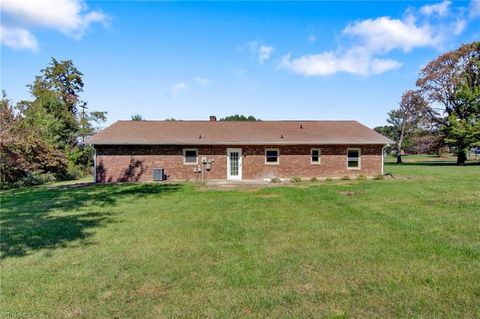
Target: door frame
(239, 150)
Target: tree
(426, 141)
(23, 151)
(88, 122)
(137, 117)
(464, 134)
(62, 78)
(238, 117)
(452, 81)
(58, 107)
(386, 130)
(412, 111)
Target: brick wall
(135, 163)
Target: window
(271, 156)
(315, 152)
(190, 156)
(353, 158)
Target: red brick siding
(135, 163)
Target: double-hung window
(353, 158)
(190, 156)
(315, 155)
(272, 156)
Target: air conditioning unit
(159, 174)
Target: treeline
(238, 117)
(235, 117)
(43, 139)
(443, 111)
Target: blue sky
(189, 60)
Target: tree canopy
(410, 114)
(238, 117)
(46, 135)
(137, 117)
(452, 81)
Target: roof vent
(301, 126)
(281, 135)
(200, 136)
(213, 118)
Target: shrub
(361, 177)
(295, 179)
(74, 172)
(37, 178)
(345, 178)
(276, 180)
(314, 180)
(379, 177)
(329, 179)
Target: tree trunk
(399, 145)
(461, 157)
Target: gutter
(236, 143)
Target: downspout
(94, 165)
(383, 156)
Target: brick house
(216, 150)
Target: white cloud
(264, 53)
(202, 81)
(385, 34)
(379, 66)
(459, 26)
(371, 39)
(70, 17)
(184, 86)
(261, 52)
(440, 9)
(17, 38)
(178, 88)
(474, 8)
(354, 61)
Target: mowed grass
(402, 247)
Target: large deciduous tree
(411, 113)
(47, 135)
(452, 82)
(23, 151)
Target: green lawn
(402, 247)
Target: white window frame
(359, 158)
(319, 156)
(185, 150)
(278, 156)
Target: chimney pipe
(213, 118)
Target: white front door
(234, 163)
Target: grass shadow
(431, 163)
(50, 217)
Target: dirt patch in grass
(350, 193)
(306, 289)
(267, 195)
(151, 291)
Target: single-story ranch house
(235, 150)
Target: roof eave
(239, 143)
